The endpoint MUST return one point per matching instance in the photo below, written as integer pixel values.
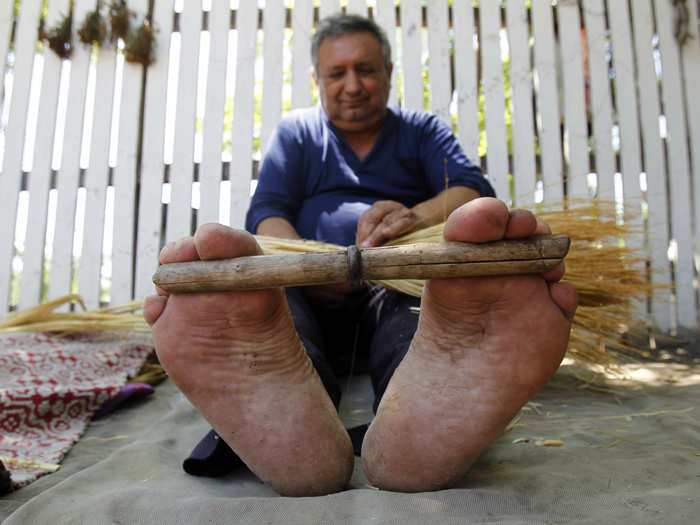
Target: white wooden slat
(151, 175)
(576, 128)
(411, 64)
(385, 16)
(210, 167)
(440, 77)
(600, 97)
(466, 79)
(626, 100)
(180, 207)
(68, 175)
(329, 7)
(654, 162)
(40, 177)
(523, 125)
(96, 179)
(672, 93)
(690, 54)
(628, 122)
(273, 40)
(302, 25)
(494, 99)
(547, 100)
(6, 15)
(242, 147)
(124, 175)
(357, 7)
(11, 174)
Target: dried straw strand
(43, 318)
(29, 464)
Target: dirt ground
(682, 348)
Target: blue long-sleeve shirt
(314, 180)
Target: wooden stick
(411, 261)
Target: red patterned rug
(51, 386)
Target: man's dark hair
(340, 24)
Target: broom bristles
(610, 275)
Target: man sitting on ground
(261, 365)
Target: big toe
(488, 219)
(216, 241)
(479, 220)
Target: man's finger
(395, 225)
(391, 226)
(369, 219)
(373, 217)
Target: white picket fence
(103, 161)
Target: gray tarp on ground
(630, 455)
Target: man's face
(353, 81)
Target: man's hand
(385, 220)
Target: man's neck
(362, 141)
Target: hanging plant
(94, 27)
(60, 38)
(140, 48)
(120, 20)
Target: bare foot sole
(236, 356)
(483, 348)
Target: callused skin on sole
(236, 356)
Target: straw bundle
(43, 318)
(605, 264)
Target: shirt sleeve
(279, 188)
(445, 163)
